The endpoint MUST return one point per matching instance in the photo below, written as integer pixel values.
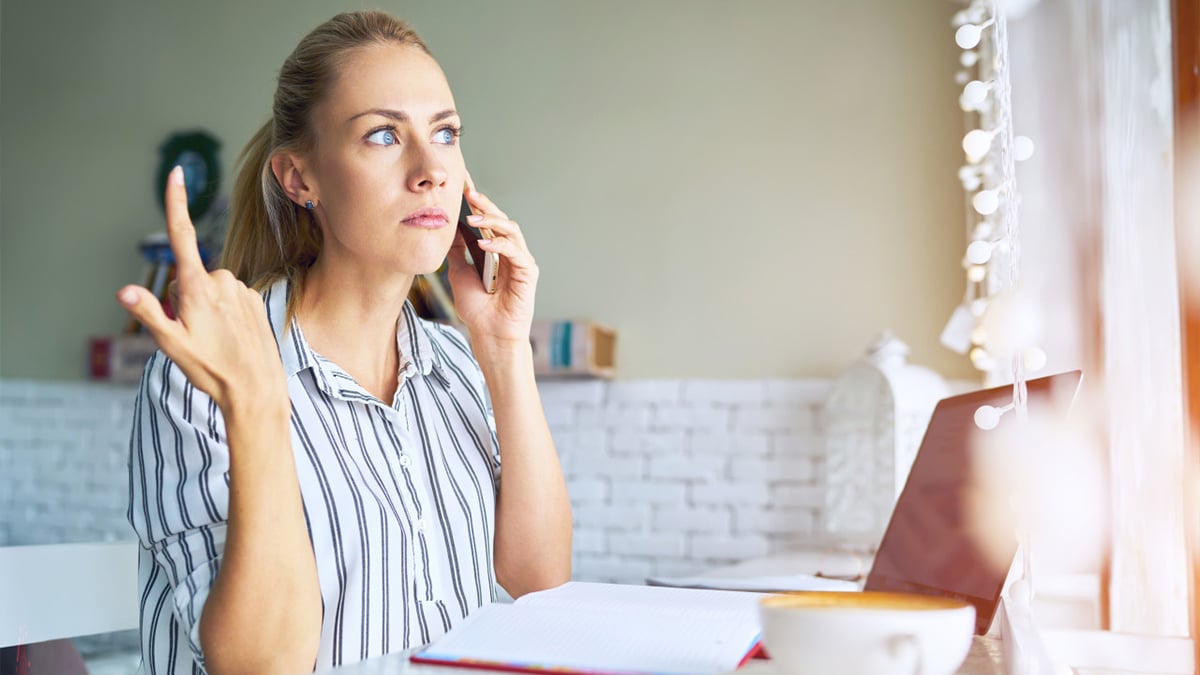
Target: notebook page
(734, 607)
(598, 640)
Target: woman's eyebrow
(403, 116)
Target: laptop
(927, 547)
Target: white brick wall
(667, 477)
(692, 468)
(63, 454)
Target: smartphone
(487, 263)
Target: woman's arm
(263, 614)
(533, 512)
(263, 611)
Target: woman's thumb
(147, 310)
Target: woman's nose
(427, 171)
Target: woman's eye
(446, 135)
(383, 137)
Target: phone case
(487, 263)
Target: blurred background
(740, 191)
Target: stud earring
(309, 205)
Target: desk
(984, 659)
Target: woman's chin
(424, 264)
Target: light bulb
(981, 359)
(971, 183)
(1022, 148)
(1033, 359)
(987, 417)
(979, 336)
(975, 93)
(976, 144)
(978, 307)
(986, 202)
(979, 252)
(962, 77)
(968, 59)
(976, 273)
(960, 17)
(967, 36)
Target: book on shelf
(119, 358)
(561, 348)
(609, 629)
(573, 348)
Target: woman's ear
(289, 170)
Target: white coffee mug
(827, 633)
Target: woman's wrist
(503, 356)
(261, 407)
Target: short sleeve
(179, 488)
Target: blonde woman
(315, 472)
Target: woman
(315, 471)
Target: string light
(975, 92)
(1022, 148)
(986, 202)
(1033, 359)
(968, 35)
(988, 180)
(979, 252)
(987, 417)
(976, 144)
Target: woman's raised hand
(506, 316)
(220, 335)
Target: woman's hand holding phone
(503, 318)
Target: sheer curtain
(1091, 84)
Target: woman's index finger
(180, 231)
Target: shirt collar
(414, 341)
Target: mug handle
(907, 647)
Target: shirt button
(405, 461)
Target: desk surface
(984, 659)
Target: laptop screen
(928, 547)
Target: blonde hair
(270, 236)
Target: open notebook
(609, 629)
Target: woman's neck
(350, 318)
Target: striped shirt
(399, 499)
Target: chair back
(67, 590)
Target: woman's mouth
(428, 219)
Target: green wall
(742, 189)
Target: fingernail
(128, 296)
(177, 175)
(484, 242)
(474, 218)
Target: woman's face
(386, 167)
